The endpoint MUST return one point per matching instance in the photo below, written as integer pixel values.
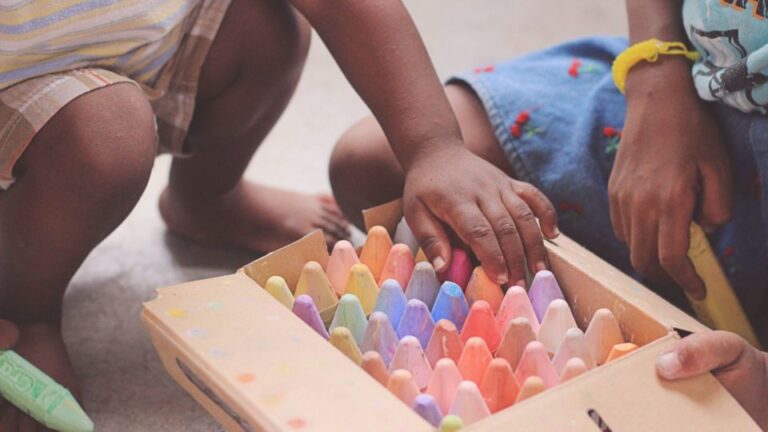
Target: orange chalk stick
(499, 387)
(531, 387)
(620, 350)
(374, 365)
(398, 266)
(401, 384)
(481, 287)
(445, 342)
(474, 360)
(376, 250)
(481, 323)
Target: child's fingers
(643, 246)
(508, 235)
(674, 241)
(715, 196)
(541, 206)
(700, 353)
(9, 334)
(617, 218)
(530, 232)
(475, 230)
(430, 234)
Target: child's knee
(360, 159)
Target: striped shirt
(132, 37)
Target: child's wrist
(428, 151)
(670, 75)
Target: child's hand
(739, 367)
(492, 213)
(671, 159)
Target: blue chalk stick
(451, 305)
(391, 301)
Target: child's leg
(247, 80)
(365, 173)
(77, 181)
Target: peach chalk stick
(362, 285)
(515, 305)
(444, 383)
(444, 343)
(339, 265)
(376, 250)
(519, 334)
(544, 289)
(499, 386)
(481, 287)
(409, 356)
(402, 386)
(380, 336)
(531, 387)
(620, 350)
(602, 334)
(535, 362)
(374, 366)
(469, 404)
(574, 345)
(423, 284)
(398, 266)
(474, 360)
(482, 323)
(573, 368)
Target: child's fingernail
(669, 365)
(438, 263)
(556, 232)
(541, 265)
(502, 279)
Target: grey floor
(126, 388)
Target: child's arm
(378, 48)
(739, 367)
(672, 156)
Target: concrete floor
(126, 388)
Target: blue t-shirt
(732, 38)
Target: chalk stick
(374, 366)
(516, 304)
(391, 301)
(402, 386)
(574, 345)
(398, 266)
(469, 404)
(602, 334)
(557, 320)
(278, 289)
(31, 390)
(410, 356)
(535, 362)
(416, 321)
(519, 334)
(350, 314)
(481, 323)
(305, 309)
(343, 340)
(450, 304)
(532, 386)
(474, 360)
(444, 383)
(451, 423)
(362, 285)
(404, 234)
(459, 269)
(423, 284)
(573, 368)
(544, 289)
(425, 406)
(481, 287)
(380, 336)
(376, 249)
(339, 265)
(445, 342)
(620, 350)
(499, 386)
(314, 283)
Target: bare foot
(42, 345)
(254, 217)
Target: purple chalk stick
(427, 408)
(305, 309)
(417, 322)
(380, 336)
(544, 289)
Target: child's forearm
(379, 50)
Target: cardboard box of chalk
(575, 352)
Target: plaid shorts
(27, 106)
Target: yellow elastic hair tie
(649, 51)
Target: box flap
(251, 353)
(289, 260)
(628, 396)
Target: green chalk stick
(34, 392)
